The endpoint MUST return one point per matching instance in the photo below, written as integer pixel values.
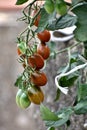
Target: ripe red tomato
(36, 61)
(36, 95)
(44, 36)
(43, 50)
(39, 78)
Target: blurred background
(12, 117)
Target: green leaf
(47, 115)
(57, 95)
(81, 107)
(63, 115)
(81, 31)
(74, 2)
(18, 81)
(45, 20)
(68, 81)
(62, 22)
(19, 2)
(82, 92)
(22, 46)
(51, 128)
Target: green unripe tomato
(24, 101)
(61, 7)
(49, 6)
(18, 95)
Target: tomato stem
(66, 49)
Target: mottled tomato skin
(36, 96)
(36, 61)
(44, 36)
(43, 50)
(22, 99)
(39, 78)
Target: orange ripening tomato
(36, 61)
(38, 78)
(44, 36)
(43, 50)
(19, 51)
(36, 95)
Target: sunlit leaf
(46, 114)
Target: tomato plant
(50, 16)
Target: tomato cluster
(33, 78)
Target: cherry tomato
(37, 19)
(36, 95)
(22, 99)
(36, 61)
(43, 50)
(61, 7)
(39, 78)
(18, 95)
(19, 51)
(44, 36)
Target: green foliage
(68, 80)
(81, 107)
(57, 95)
(45, 20)
(62, 22)
(82, 92)
(19, 2)
(62, 116)
(47, 114)
(81, 12)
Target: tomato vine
(34, 48)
